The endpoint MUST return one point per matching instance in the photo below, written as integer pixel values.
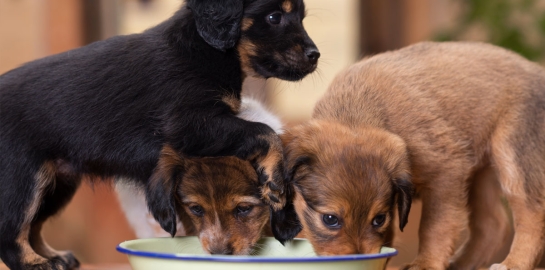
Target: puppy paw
(69, 259)
(419, 266)
(499, 266)
(272, 193)
(271, 177)
(55, 263)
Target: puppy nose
(312, 54)
(221, 251)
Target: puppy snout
(221, 250)
(312, 55)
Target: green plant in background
(518, 25)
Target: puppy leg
(55, 198)
(21, 206)
(527, 246)
(64, 258)
(490, 229)
(519, 159)
(443, 205)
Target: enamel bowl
(186, 253)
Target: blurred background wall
(344, 30)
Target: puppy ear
(285, 224)
(403, 188)
(218, 22)
(161, 189)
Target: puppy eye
(197, 210)
(330, 220)
(379, 220)
(244, 209)
(275, 18)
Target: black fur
(218, 22)
(109, 108)
(403, 188)
(285, 224)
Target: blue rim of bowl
(252, 259)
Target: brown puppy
(434, 116)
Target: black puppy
(130, 106)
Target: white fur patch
(253, 111)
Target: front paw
(420, 266)
(272, 187)
(271, 178)
(501, 266)
(69, 259)
(68, 262)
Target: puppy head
(222, 198)
(347, 183)
(273, 41)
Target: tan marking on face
(246, 24)
(212, 232)
(246, 236)
(247, 49)
(188, 198)
(297, 49)
(246, 199)
(233, 103)
(287, 6)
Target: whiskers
(257, 249)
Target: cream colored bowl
(186, 253)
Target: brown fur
(246, 49)
(233, 103)
(221, 187)
(434, 115)
(247, 23)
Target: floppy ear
(161, 189)
(404, 190)
(218, 21)
(285, 224)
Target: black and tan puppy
(436, 118)
(119, 107)
(219, 200)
